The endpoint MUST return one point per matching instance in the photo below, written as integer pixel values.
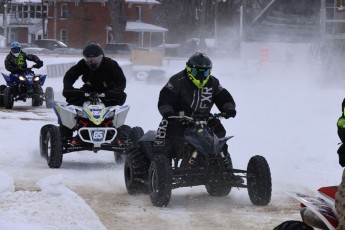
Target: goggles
(93, 60)
(199, 72)
(15, 49)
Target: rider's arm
(10, 64)
(34, 58)
(71, 76)
(116, 77)
(167, 99)
(222, 97)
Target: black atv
(203, 160)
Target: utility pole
(5, 22)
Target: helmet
(198, 69)
(93, 55)
(15, 48)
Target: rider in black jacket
(100, 74)
(15, 61)
(194, 91)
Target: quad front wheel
(136, 172)
(2, 89)
(259, 181)
(8, 98)
(160, 180)
(51, 145)
(220, 188)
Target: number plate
(97, 135)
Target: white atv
(95, 127)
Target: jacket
(108, 76)
(18, 64)
(180, 94)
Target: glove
(73, 93)
(229, 112)
(38, 65)
(341, 154)
(200, 116)
(169, 113)
(114, 95)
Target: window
(28, 11)
(138, 13)
(63, 36)
(63, 11)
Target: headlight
(21, 78)
(36, 78)
(110, 114)
(81, 114)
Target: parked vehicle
(97, 128)
(200, 161)
(119, 48)
(20, 87)
(50, 44)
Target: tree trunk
(118, 24)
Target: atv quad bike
(95, 128)
(20, 87)
(203, 160)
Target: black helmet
(93, 55)
(198, 68)
(92, 50)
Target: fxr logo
(206, 98)
(162, 129)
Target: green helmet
(198, 69)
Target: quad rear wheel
(37, 99)
(160, 180)
(259, 181)
(135, 134)
(51, 145)
(49, 97)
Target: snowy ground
(285, 114)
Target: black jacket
(180, 94)
(108, 76)
(18, 64)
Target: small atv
(95, 128)
(20, 87)
(203, 159)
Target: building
(78, 22)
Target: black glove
(169, 113)
(73, 93)
(118, 97)
(229, 112)
(200, 116)
(341, 154)
(38, 65)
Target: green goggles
(199, 72)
